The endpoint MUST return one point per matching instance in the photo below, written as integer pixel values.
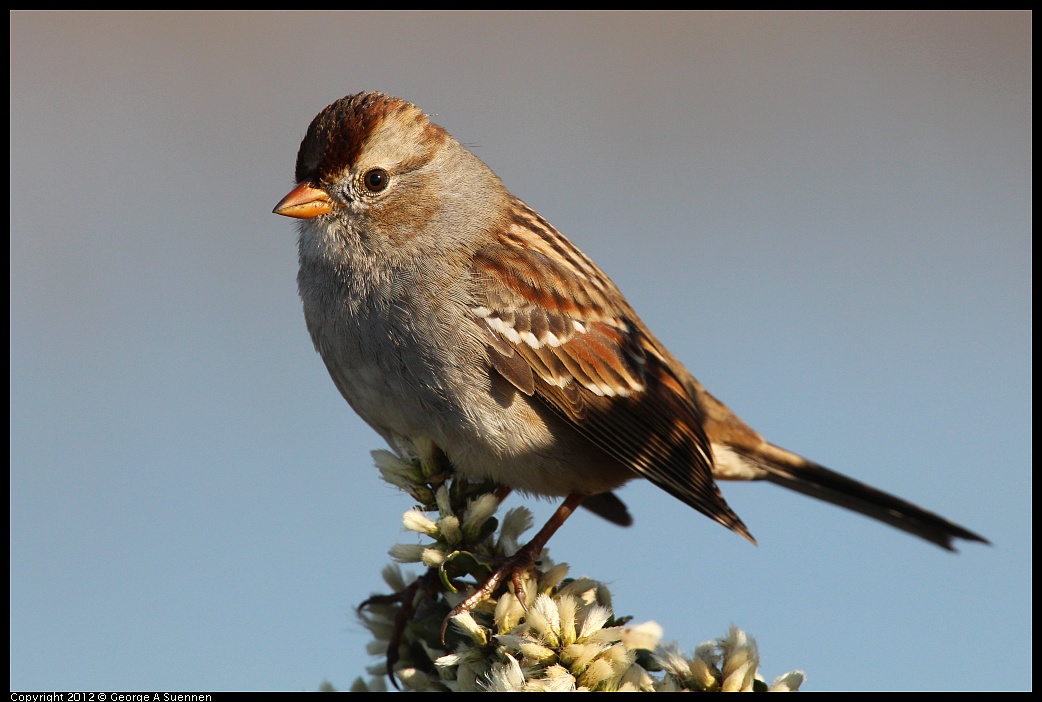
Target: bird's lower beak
(304, 202)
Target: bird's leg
(406, 601)
(515, 566)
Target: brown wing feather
(591, 360)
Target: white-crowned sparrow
(449, 311)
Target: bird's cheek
(404, 218)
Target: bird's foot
(515, 567)
(406, 601)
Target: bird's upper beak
(304, 202)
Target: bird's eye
(376, 179)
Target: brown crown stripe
(336, 137)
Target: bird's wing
(558, 329)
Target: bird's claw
(515, 566)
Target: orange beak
(304, 202)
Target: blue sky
(827, 217)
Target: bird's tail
(792, 471)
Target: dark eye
(376, 179)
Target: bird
(448, 311)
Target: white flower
(544, 618)
(450, 529)
(506, 677)
(642, 636)
(465, 623)
(536, 653)
(790, 682)
(509, 611)
(441, 496)
(396, 471)
(516, 522)
(432, 557)
(556, 678)
(392, 575)
(478, 512)
(415, 520)
(740, 660)
(595, 617)
(407, 553)
(416, 679)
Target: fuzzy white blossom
(506, 677)
(789, 682)
(563, 636)
(407, 553)
(477, 513)
(450, 530)
(415, 520)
